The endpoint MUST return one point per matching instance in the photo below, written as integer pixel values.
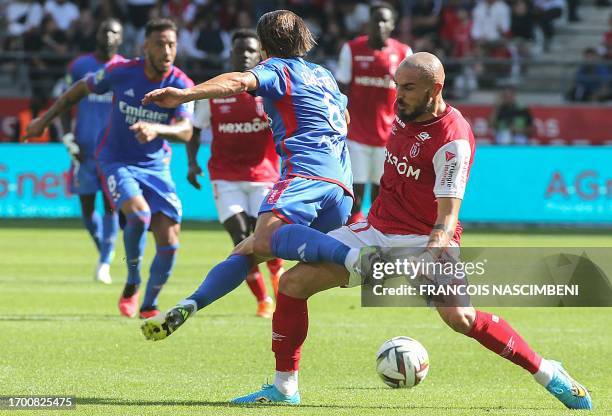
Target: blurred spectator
(593, 79)
(356, 17)
(214, 42)
(182, 12)
(546, 12)
(84, 38)
(45, 69)
(425, 17)
(139, 12)
(491, 20)
(63, 12)
(572, 10)
(21, 18)
(522, 21)
(511, 122)
(108, 9)
(455, 30)
(606, 52)
(490, 26)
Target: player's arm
(194, 169)
(64, 103)
(451, 164)
(446, 222)
(145, 132)
(224, 85)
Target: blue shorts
(321, 205)
(84, 179)
(123, 182)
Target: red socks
(289, 329)
(275, 265)
(497, 335)
(256, 284)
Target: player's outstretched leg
(494, 333)
(162, 325)
(222, 279)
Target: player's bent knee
(458, 319)
(261, 245)
(245, 247)
(292, 285)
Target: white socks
(286, 382)
(545, 373)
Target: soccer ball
(402, 362)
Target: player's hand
(164, 97)
(35, 128)
(192, 175)
(144, 132)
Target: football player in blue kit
(133, 156)
(309, 124)
(92, 113)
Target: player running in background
(309, 128)
(429, 155)
(91, 117)
(133, 156)
(365, 73)
(243, 164)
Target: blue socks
(302, 243)
(110, 226)
(134, 239)
(222, 279)
(161, 267)
(93, 224)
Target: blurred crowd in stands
(498, 34)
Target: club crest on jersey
(415, 150)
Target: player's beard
(421, 108)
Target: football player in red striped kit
(365, 74)
(426, 168)
(243, 165)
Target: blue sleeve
(72, 76)
(343, 101)
(101, 81)
(269, 80)
(185, 110)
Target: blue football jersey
(306, 109)
(129, 83)
(92, 111)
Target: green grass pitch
(61, 334)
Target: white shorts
(234, 197)
(368, 162)
(362, 234)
